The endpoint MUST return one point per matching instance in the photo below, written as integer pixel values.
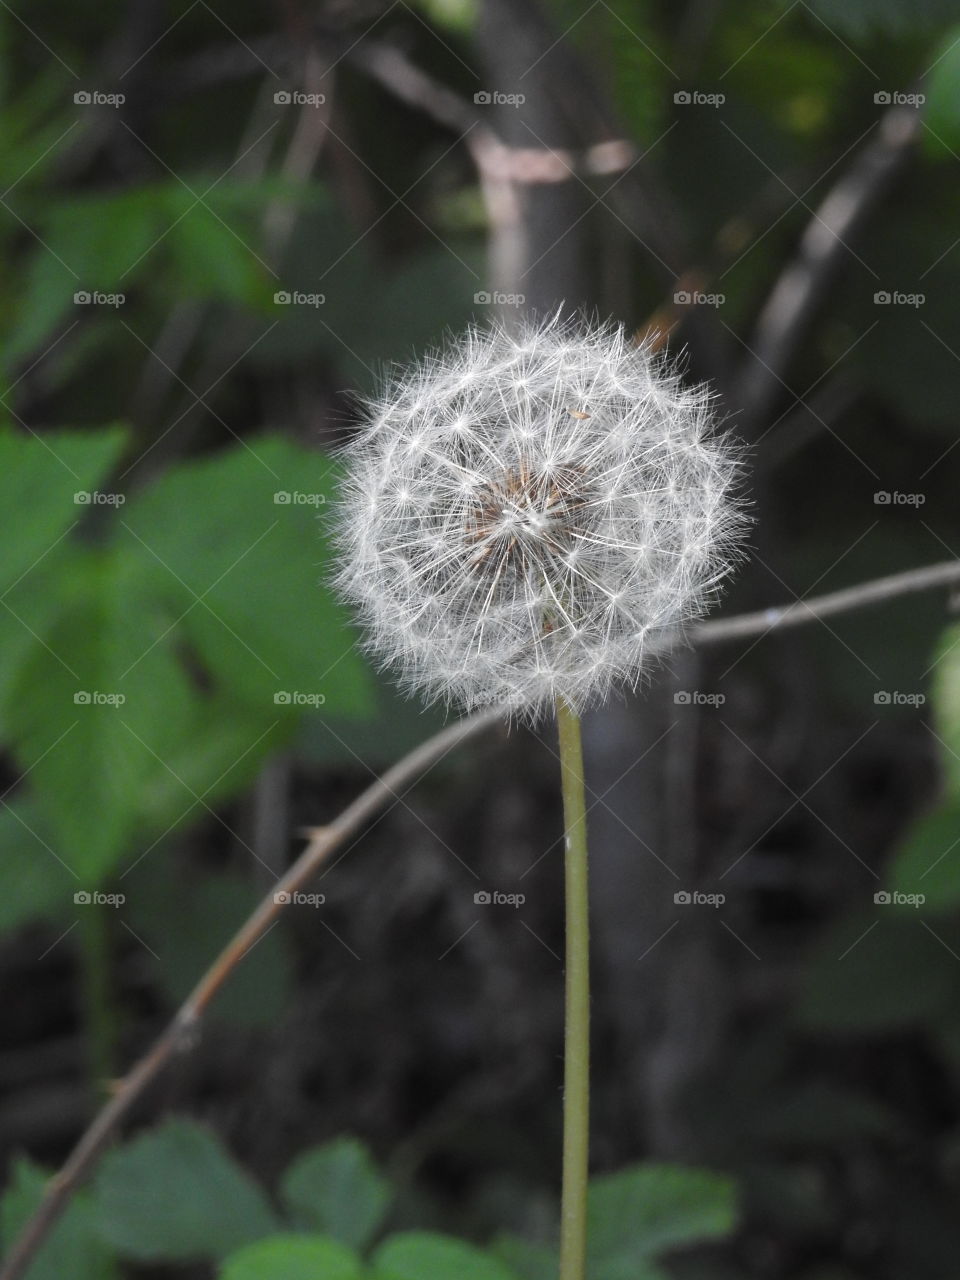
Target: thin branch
(861, 596)
(824, 244)
(181, 1033)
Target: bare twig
(181, 1033)
(805, 281)
(793, 615)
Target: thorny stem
(576, 1067)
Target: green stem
(98, 1013)
(576, 1091)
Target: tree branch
(861, 596)
(181, 1033)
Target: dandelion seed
(502, 546)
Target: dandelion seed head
(535, 516)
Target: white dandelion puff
(534, 516)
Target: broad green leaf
(337, 1189)
(942, 89)
(36, 881)
(95, 710)
(72, 1248)
(235, 541)
(176, 1194)
(928, 861)
(637, 1213)
(91, 244)
(879, 971)
(41, 476)
(293, 1257)
(424, 1255)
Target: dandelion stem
(576, 1092)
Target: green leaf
(292, 1257)
(941, 138)
(424, 1255)
(72, 1248)
(928, 861)
(236, 544)
(36, 883)
(637, 1213)
(337, 1189)
(95, 710)
(175, 1194)
(39, 478)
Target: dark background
(778, 195)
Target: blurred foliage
(176, 1194)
